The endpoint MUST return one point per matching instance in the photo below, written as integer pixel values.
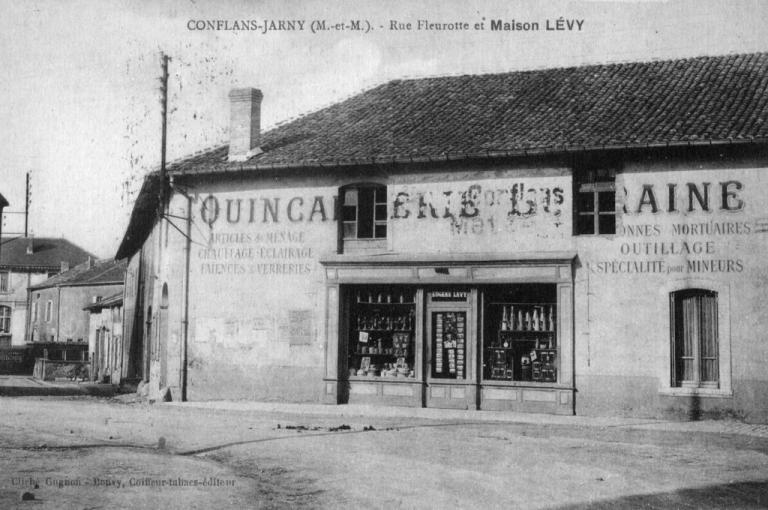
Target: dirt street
(85, 452)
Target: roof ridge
(584, 65)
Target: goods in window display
(381, 322)
(525, 368)
(448, 344)
(525, 347)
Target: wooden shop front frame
(476, 282)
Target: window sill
(696, 392)
(364, 245)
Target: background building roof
(47, 253)
(107, 302)
(694, 100)
(102, 272)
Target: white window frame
(666, 361)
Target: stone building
(27, 261)
(59, 320)
(578, 240)
(105, 339)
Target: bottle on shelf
(551, 320)
(511, 318)
(504, 319)
(527, 321)
(535, 319)
(519, 320)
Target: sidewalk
(702, 426)
(25, 385)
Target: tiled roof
(143, 216)
(47, 253)
(686, 101)
(107, 302)
(103, 272)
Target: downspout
(58, 316)
(185, 320)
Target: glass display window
(448, 344)
(520, 333)
(382, 322)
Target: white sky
(80, 108)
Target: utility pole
(164, 112)
(27, 201)
(26, 210)
(3, 205)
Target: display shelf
(375, 303)
(385, 330)
(521, 303)
(521, 342)
(381, 334)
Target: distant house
(105, 338)
(58, 321)
(27, 261)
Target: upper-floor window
(364, 212)
(48, 310)
(595, 202)
(5, 319)
(694, 338)
(5, 281)
(34, 308)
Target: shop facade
(619, 279)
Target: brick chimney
(30, 245)
(244, 123)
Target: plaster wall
(16, 300)
(72, 319)
(623, 283)
(256, 288)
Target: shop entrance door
(450, 347)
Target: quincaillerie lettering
(268, 210)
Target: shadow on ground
(742, 495)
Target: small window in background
(595, 202)
(5, 319)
